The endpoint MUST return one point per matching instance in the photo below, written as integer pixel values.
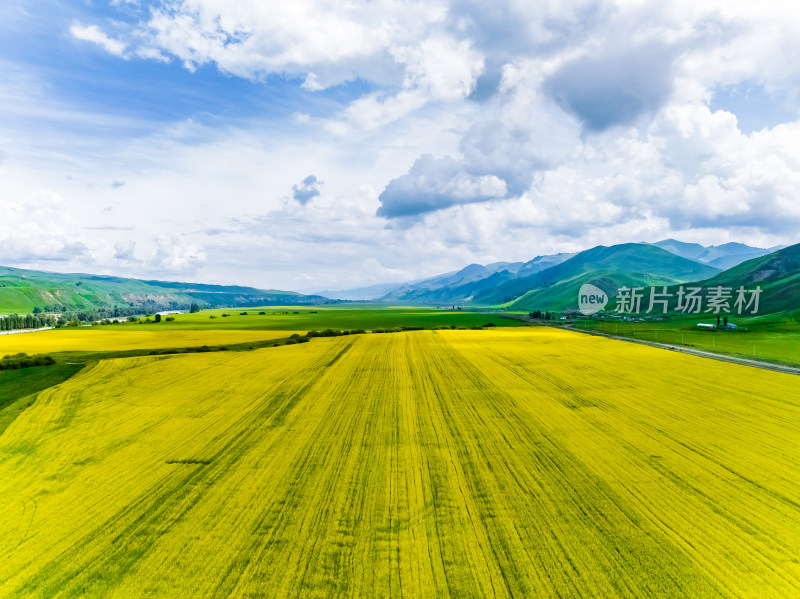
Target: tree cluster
(334, 333)
(17, 361)
(541, 315)
(16, 322)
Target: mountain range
(504, 282)
(723, 256)
(547, 283)
(777, 274)
(609, 268)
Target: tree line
(16, 322)
(56, 315)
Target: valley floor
(495, 463)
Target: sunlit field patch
(497, 463)
(339, 316)
(125, 337)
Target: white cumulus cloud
(92, 33)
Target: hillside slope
(631, 264)
(24, 290)
(777, 274)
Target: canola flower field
(502, 463)
(125, 337)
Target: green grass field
(770, 338)
(527, 462)
(358, 316)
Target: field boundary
(686, 350)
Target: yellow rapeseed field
(503, 463)
(108, 338)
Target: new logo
(591, 299)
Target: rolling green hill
(504, 282)
(21, 291)
(777, 274)
(545, 283)
(631, 264)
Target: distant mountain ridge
(609, 268)
(454, 286)
(462, 285)
(549, 282)
(523, 284)
(22, 291)
(723, 256)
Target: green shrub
(17, 361)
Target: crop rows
(508, 463)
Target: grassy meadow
(354, 316)
(774, 338)
(528, 462)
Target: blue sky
(313, 144)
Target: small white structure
(706, 325)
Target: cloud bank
(456, 129)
